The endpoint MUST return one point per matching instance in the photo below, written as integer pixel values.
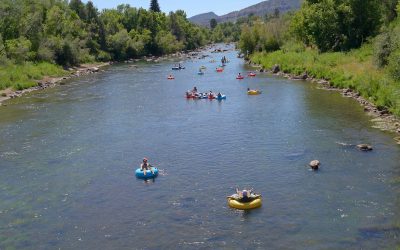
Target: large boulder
(276, 69)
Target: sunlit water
(68, 155)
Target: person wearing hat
(146, 166)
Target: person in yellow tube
(244, 195)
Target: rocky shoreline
(48, 82)
(382, 118)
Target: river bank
(382, 118)
(49, 81)
(92, 68)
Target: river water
(68, 155)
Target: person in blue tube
(146, 166)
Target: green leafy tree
(176, 25)
(337, 24)
(394, 64)
(79, 8)
(72, 32)
(389, 7)
(168, 42)
(3, 56)
(10, 16)
(18, 49)
(247, 41)
(118, 44)
(383, 49)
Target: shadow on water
(380, 232)
(147, 180)
(245, 215)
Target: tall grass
(354, 70)
(22, 76)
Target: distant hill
(259, 9)
(203, 19)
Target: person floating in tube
(146, 166)
(244, 195)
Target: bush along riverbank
(352, 72)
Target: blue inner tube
(139, 173)
(221, 97)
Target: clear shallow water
(68, 155)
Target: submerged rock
(364, 147)
(314, 164)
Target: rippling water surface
(68, 155)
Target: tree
(2, 51)
(167, 42)
(91, 12)
(390, 12)
(68, 32)
(213, 23)
(276, 13)
(337, 25)
(118, 43)
(18, 49)
(79, 8)
(247, 41)
(154, 6)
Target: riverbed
(68, 156)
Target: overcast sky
(191, 7)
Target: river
(68, 155)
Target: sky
(191, 7)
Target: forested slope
(38, 35)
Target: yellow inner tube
(244, 205)
(253, 92)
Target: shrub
(382, 49)
(103, 56)
(394, 65)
